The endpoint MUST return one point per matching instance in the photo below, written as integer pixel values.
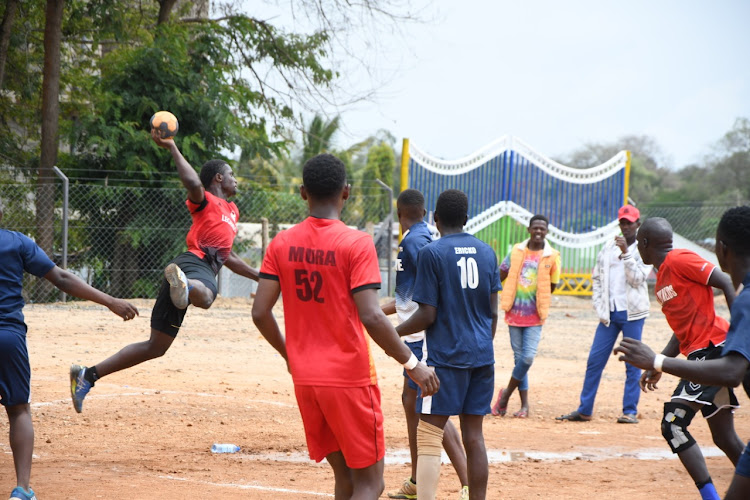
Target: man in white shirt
(621, 302)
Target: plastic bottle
(224, 448)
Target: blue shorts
(463, 391)
(743, 464)
(416, 349)
(15, 371)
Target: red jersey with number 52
(319, 264)
(687, 300)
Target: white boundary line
(157, 392)
(248, 486)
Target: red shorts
(346, 419)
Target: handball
(166, 123)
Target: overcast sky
(560, 74)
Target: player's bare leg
(476, 455)
(342, 474)
(21, 441)
(454, 448)
(200, 295)
(134, 354)
(724, 435)
(739, 488)
(184, 291)
(409, 400)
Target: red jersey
(214, 227)
(687, 300)
(319, 264)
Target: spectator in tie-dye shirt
(532, 269)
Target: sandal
(521, 413)
(627, 418)
(497, 410)
(574, 416)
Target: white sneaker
(178, 285)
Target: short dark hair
(411, 198)
(324, 175)
(539, 217)
(452, 207)
(734, 229)
(209, 171)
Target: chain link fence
(695, 222)
(120, 237)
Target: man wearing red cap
(621, 302)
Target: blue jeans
(601, 350)
(524, 341)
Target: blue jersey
(458, 275)
(738, 336)
(18, 253)
(416, 237)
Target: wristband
(412, 363)
(659, 361)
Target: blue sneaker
(79, 386)
(178, 285)
(22, 494)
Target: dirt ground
(146, 432)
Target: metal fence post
(390, 230)
(64, 263)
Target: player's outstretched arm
(265, 298)
(187, 173)
(75, 286)
(382, 332)
(238, 266)
(723, 282)
(727, 371)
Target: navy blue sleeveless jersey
(414, 239)
(458, 274)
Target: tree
(649, 168)
(731, 163)
(318, 136)
(10, 13)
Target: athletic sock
(91, 375)
(708, 490)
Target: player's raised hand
(123, 309)
(165, 142)
(424, 376)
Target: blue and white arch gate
(507, 182)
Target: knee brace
(674, 426)
(429, 439)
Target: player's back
(319, 264)
(464, 275)
(687, 300)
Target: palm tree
(318, 136)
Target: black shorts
(713, 398)
(166, 317)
